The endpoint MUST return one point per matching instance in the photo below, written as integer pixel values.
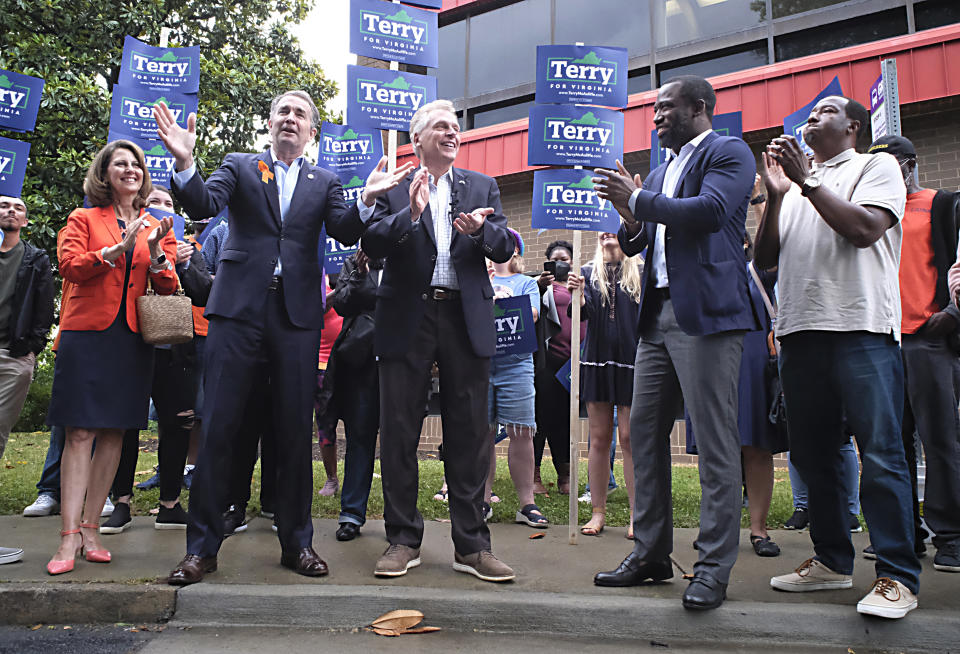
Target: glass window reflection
(453, 50)
(863, 29)
(614, 23)
(503, 45)
(502, 114)
(680, 21)
(756, 56)
(783, 8)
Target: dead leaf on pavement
(386, 632)
(537, 535)
(421, 630)
(399, 619)
(36, 626)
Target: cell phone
(559, 269)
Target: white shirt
(671, 181)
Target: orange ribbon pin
(265, 174)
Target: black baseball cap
(898, 146)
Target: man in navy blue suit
(435, 303)
(690, 215)
(266, 304)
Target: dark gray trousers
(932, 385)
(702, 371)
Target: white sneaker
(888, 599)
(585, 498)
(10, 555)
(107, 509)
(811, 575)
(43, 505)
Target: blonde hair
(631, 273)
(96, 185)
(516, 264)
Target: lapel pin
(309, 175)
(265, 174)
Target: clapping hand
(161, 230)
(470, 223)
(180, 142)
(419, 193)
(184, 252)
(793, 162)
(379, 181)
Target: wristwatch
(162, 259)
(810, 184)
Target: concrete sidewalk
(554, 591)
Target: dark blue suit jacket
(258, 237)
(410, 250)
(704, 249)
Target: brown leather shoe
(305, 562)
(191, 570)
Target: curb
(83, 603)
(637, 619)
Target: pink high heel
(60, 567)
(95, 556)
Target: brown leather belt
(440, 293)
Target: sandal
(531, 516)
(764, 546)
(591, 529)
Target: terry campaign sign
(386, 99)
(131, 113)
(13, 165)
(578, 74)
(384, 30)
(513, 321)
(564, 135)
(160, 163)
(168, 70)
(565, 199)
(334, 252)
(723, 124)
(19, 101)
(793, 124)
(348, 150)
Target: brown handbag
(165, 319)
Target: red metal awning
(765, 94)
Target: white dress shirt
(671, 181)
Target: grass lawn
(25, 453)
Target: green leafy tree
(247, 56)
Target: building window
(681, 21)
(615, 23)
(864, 29)
(503, 46)
(783, 8)
(453, 61)
(638, 83)
(936, 13)
(504, 114)
(717, 65)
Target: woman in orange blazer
(103, 371)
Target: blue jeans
(49, 483)
(850, 480)
(358, 397)
(860, 374)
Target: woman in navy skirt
(103, 371)
(610, 302)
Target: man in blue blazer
(435, 304)
(690, 215)
(266, 304)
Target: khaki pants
(15, 377)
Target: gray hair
(421, 115)
(303, 95)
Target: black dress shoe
(348, 531)
(704, 592)
(634, 571)
(305, 562)
(191, 570)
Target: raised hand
(774, 179)
(153, 240)
(379, 181)
(617, 186)
(470, 223)
(786, 151)
(130, 234)
(180, 142)
(184, 252)
(419, 193)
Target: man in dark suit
(435, 304)
(690, 212)
(267, 302)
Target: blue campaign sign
(168, 70)
(19, 101)
(793, 124)
(179, 224)
(386, 99)
(564, 374)
(334, 253)
(392, 32)
(160, 163)
(131, 113)
(730, 124)
(564, 135)
(565, 199)
(13, 166)
(513, 321)
(223, 216)
(345, 149)
(581, 74)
